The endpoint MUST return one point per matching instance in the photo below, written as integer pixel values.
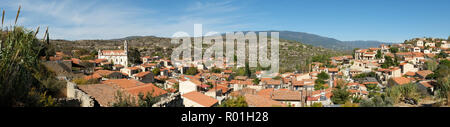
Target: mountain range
(310, 39)
(325, 42)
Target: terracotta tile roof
(243, 91)
(103, 94)
(142, 74)
(93, 76)
(104, 72)
(241, 77)
(171, 90)
(75, 60)
(123, 83)
(228, 71)
(426, 84)
(100, 60)
(353, 84)
(110, 52)
(267, 93)
(401, 80)
(284, 94)
(147, 88)
(424, 73)
(200, 98)
(221, 87)
(172, 80)
(418, 54)
(357, 91)
(333, 69)
(430, 55)
(338, 58)
(409, 73)
(118, 65)
(265, 79)
(316, 98)
(133, 68)
(247, 82)
(259, 101)
(404, 54)
(273, 82)
(148, 65)
(370, 53)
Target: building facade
(115, 56)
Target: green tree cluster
(403, 93)
(134, 56)
(192, 71)
(340, 95)
(388, 62)
(235, 102)
(125, 100)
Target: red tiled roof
(333, 69)
(200, 98)
(100, 60)
(267, 93)
(104, 72)
(172, 80)
(133, 68)
(135, 87)
(75, 60)
(401, 80)
(424, 73)
(286, 95)
(426, 84)
(409, 73)
(259, 101)
(227, 71)
(142, 74)
(147, 88)
(93, 76)
(123, 83)
(118, 65)
(273, 82)
(107, 52)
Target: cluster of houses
(112, 72)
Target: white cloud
(73, 19)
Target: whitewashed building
(115, 56)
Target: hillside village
(350, 80)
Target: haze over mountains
(325, 42)
(312, 39)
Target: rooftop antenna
(17, 16)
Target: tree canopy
(235, 102)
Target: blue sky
(383, 20)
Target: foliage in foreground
(24, 81)
(235, 102)
(126, 100)
(377, 101)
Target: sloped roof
(200, 98)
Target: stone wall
(73, 92)
(173, 100)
